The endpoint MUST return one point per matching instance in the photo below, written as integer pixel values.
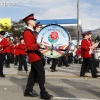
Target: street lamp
(77, 22)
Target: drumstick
(42, 39)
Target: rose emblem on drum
(53, 37)
(55, 41)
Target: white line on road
(65, 98)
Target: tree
(17, 28)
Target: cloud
(91, 23)
(36, 3)
(90, 16)
(89, 12)
(61, 12)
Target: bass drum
(55, 40)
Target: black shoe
(8, 67)
(97, 71)
(26, 71)
(53, 70)
(50, 67)
(67, 65)
(59, 66)
(83, 76)
(47, 97)
(56, 70)
(20, 70)
(96, 76)
(30, 94)
(2, 75)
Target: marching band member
(8, 58)
(86, 50)
(63, 61)
(95, 45)
(37, 67)
(54, 64)
(22, 55)
(12, 51)
(37, 27)
(78, 54)
(3, 44)
(16, 51)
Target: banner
(5, 22)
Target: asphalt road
(63, 85)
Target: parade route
(66, 84)
(62, 98)
(50, 50)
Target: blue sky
(53, 9)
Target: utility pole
(78, 22)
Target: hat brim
(34, 19)
(85, 34)
(30, 19)
(90, 33)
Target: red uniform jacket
(22, 48)
(30, 41)
(16, 48)
(4, 45)
(85, 48)
(12, 49)
(78, 52)
(7, 49)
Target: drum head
(55, 41)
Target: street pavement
(65, 84)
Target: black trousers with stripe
(37, 71)
(88, 62)
(2, 58)
(22, 61)
(54, 63)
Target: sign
(5, 22)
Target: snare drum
(55, 40)
(97, 54)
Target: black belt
(30, 51)
(34, 51)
